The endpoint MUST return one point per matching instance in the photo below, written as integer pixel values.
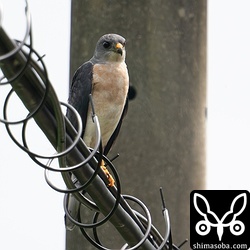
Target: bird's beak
(118, 48)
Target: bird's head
(110, 48)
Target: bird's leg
(109, 176)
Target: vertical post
(162, 140)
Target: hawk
(105, 77)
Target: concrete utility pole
(162, 140)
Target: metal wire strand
(156, 234)
(24, 67)
(25, 147)
(18, 75)
(96, 242)
(106, 218)
(75, 186)
(83, 186)
(68, 168)
(28, 29)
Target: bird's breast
(109, 92)
(110, 81)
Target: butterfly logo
(229, 219)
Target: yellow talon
(109, 176)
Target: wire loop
(27, 33)
(97, 242)
(91, 159)
(107, 217)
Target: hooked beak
(118, 48)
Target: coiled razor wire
(74, 187)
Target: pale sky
(228, 131)
(30, 211)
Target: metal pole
(162, 140)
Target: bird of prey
(105, 77)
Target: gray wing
(81, 88)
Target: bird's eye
(106, 44)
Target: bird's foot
(109, 176)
